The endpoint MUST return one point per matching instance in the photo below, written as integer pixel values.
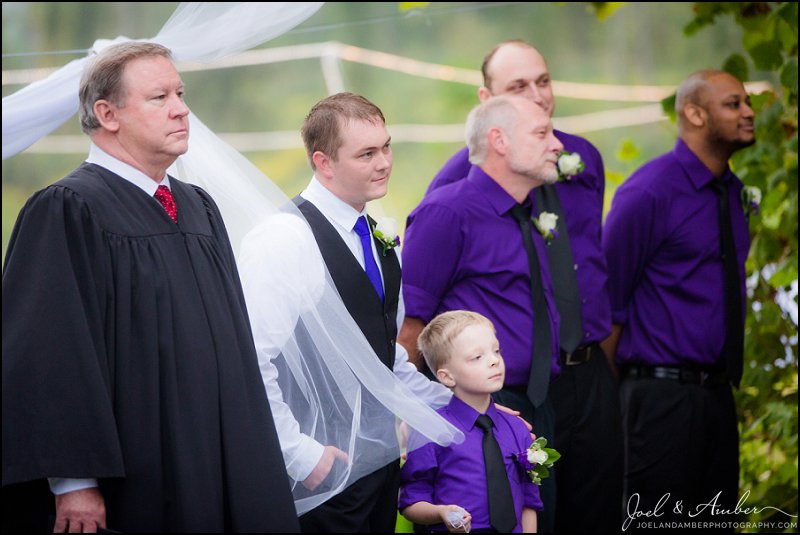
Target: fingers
(342, 456)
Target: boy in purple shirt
(463, 349)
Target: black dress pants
(367, 506)
(681, 453)
(589, 436)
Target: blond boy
(446, 488)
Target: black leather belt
(580, 355)
(693, 376)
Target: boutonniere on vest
(751, 199)
(383, 229)
(569, 164)
(537, 460)
(546, 225)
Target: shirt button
(587, 335)
(583, 301)
(575, 267)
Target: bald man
(676, 240)
(584, 396)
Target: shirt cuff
(619, 317)
(308, 454)
(419, 303)
(63, 485)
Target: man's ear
(497, 140)
(323, 164)
(695, 115)
(484, 94)
(107, 114)
(445, 377)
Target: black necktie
(542, 342)
(501, 505)
(562, 269)
(733, 350)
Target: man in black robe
(130, 378)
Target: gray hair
(496, 112)
(103, 78)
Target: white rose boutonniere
(751, 199)
(537, 460)
(383, 230)
(546, 225)
(569, 164)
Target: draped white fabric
(197, 31)
(328, 374)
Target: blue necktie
(374, 274)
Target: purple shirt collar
(497, 197)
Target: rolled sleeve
(417, 477)
(434, 245)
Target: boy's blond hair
(436, 340)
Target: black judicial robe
(128, 357)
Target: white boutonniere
(569, 164)
(546, 225)
(751, 199)
(537, 460)
(383, 230)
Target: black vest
(378, 321)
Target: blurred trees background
(604, 43)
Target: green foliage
(768, 401)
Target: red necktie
(164, 196)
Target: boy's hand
(455, 518)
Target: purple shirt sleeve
(430, 276)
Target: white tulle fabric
(326, 384)
(197, 31)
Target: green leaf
(668, 105)
(789, 75)
(788, 12)
(603, 10)
(404, 7)
(628, 151)
(785, 275)
(736, 65)
(767, 55)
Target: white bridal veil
(331, 381)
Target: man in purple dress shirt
(464, 250)
(436, 481)
(584, 396)
(668, 298)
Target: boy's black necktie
(501, 505)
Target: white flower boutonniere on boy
(569, 164)
(383, 230)
(751, 199)
(537, 460)
(546, 225)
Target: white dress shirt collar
(99, 157)
(332, 206)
